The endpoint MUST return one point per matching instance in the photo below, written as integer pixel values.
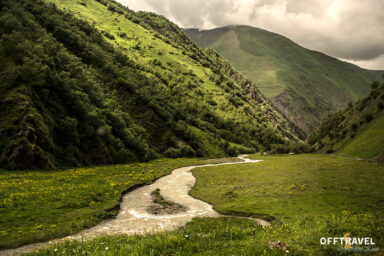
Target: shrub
(126, 156)
(368, 118)
(172, 152)
(186, 150)
(111, 7)
(375, 85)
(279, 149)
(108, 35)
(232, 151)
(291, 148)
(122, 34)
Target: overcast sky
(351, 30)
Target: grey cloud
(347, 29)
(316, 8)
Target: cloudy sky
(351, 30)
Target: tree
(375, 85)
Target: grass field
(309, 197)
(337, 195)
(41, 205)
(224, 236)
(292, 186)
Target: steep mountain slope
(304, 85)
(357, 131)
(92, 82)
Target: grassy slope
(305, 85)
(369, 143)
(153, 48)
(41, 205)
(351, 132)
(311, 196)
(148, 81)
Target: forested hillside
(92, 82)
(357, 131)
(306, 86)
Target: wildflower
(106, 248)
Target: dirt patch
(161, 206)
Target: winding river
(133, 217)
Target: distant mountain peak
(304, 85)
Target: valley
(306, 86)
(123, 134)
(298, 194)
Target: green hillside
(357, 131)
(304, 85)
(92, 82)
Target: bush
(186, 150)
(110, 7)
(279, 149)
(291, 148)
(368, 118)
(172, 152)
(126, 156)
(122, 34)
(232, 151)
(108, 35)
(375, 85)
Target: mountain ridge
(305, 85)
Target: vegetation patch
(162, 206)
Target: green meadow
(40, 205)
(225, 236)
(305, 197)
(292, 186)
